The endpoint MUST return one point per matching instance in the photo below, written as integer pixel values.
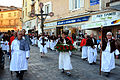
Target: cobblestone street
(47, 69)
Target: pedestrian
(26, 37)
(108, 50)
(52, 41)
(84, 48)
(20, 53)
(48, 40)
(43, 46)
(64, 57)
(14, 35)
(92, 49)
(71, 39)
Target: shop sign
(105, 16)
(94, 2)
(75, 20)
(50, 24)
(98, 24)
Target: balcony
(115, 4)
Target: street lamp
(42, 18)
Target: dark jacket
(62, 40)
(28, 39)
(112, 45)
(90, 42)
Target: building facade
(75, 15)
(10, 19)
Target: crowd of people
(17, 46)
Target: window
(33, 8)
(9, 14)
(15, 22)
(23, 14)
(9, 22)
(76, 4)
(1, 22)
(1, 15)
(47, 7)
(14, 14)
(26, 11)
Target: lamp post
(42, 18)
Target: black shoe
(94, 62)
(20, 78)
(41, 56)
(91, 63)
(68, 74)
(17, 75)
(63, 71)
(107, 74)
(84, 59)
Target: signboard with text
(94, 2)
(105, 16)
(75, 20)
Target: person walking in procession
(64, 57)
(43, 46)
(84, 48)
(108, 50)
(92, 49)
(20, 53)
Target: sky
(16, 3)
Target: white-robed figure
(108, 50)
(43, 46)
(20, 53)
(64, 57)
(84, 48)
(92, 49)
(52, 42)
(33, 40)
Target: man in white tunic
(92, 49)
(64, 57)
(108, 50)
(20, 53)
(43, 46)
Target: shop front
(73, 25)
(50, 28)
(109, 21)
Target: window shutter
(82, 3)
(70, 4)
(50, 7)
(79, 1)
(44, 9)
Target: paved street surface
(47, 69)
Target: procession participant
(64, 58)
(84, 48)
(92, 49)
(13, 37)
(20, 53)
(58, 38)
(53, 41)
(38, 40)
(26, 37)
(48, 41)
(43, 46)
(71, 39)
(108, 50)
